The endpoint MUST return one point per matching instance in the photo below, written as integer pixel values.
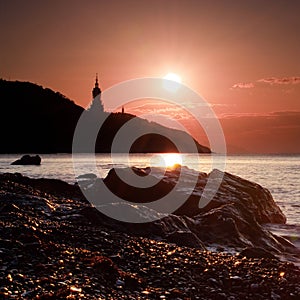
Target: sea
(280, 174)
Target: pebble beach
(48, 251)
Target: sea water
(280, 174)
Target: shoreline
(263, 171)
(49, 251)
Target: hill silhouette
(34, 119)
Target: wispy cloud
(268, 80)
(242, 115)
(276, 114)
(243, 85)
(282, 80)
(156, 108)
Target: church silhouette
(97, 104)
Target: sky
(242, 57)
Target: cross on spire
(96, 83)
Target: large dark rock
(233, 218)
(252, 197)
(238, 193)
(51, 187)
(28, 160)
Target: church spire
(96, 105)
(96, 83)
(96, 89)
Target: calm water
(278, 173)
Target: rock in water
(233, 218)
(28, 160)
(256, 199)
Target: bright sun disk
(172, 159)
(173, 77)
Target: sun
(172, 159)
(173, 77)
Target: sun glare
(172, 159)
(173, 77)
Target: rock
(134, 194)
(54, 187)
(131, 281)
(120, 283)
(185, 238)
(105, 266)
(213, 282)
(256, 252)
(250, 196)
(87, 176)
(170, 228)
(28, 160)
(255, 198)
(274, 296)
(234, 217)
(255, 286)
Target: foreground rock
(28, 160)
(49, 250)
(233, 219)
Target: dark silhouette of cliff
(34, 119)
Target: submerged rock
(28, 160)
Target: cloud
(291, 116)
(243, 85)
(283, 80)
(158, 108)
(268, 80)
(240, 115)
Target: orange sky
(241, 56)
